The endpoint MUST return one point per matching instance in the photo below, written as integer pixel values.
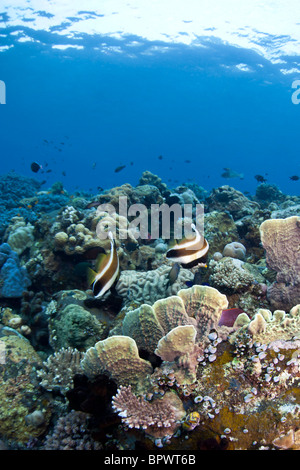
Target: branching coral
(233, 275)
(158, 418)
(71, 433)
(59, 369)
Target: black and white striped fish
(107, 270)
(189, 250)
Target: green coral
(19, 391)
(75, 327)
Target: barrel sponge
(118, 357)
(281, 241)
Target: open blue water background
(84, 113)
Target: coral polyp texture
(119, 357)
(281, 240)
(173, 356)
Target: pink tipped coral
(158, 418)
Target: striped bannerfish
(189, 250)
(107, 266)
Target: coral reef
(179, 357)
(236, 203)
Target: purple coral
(71, 433)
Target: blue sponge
(13, 278)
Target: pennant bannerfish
(188, 250)
(107, 266)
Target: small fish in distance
(120, 168)
(260, 179)
(35, 167)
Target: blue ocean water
(184, 114)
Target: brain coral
(281, 240)
(234, 250)
(149, 286)
(20, 235)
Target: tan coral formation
(281, 241)
(19, 235)
(200, 306)
(157, 328)
(119, 357)
(179, 346)
(267, 327)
